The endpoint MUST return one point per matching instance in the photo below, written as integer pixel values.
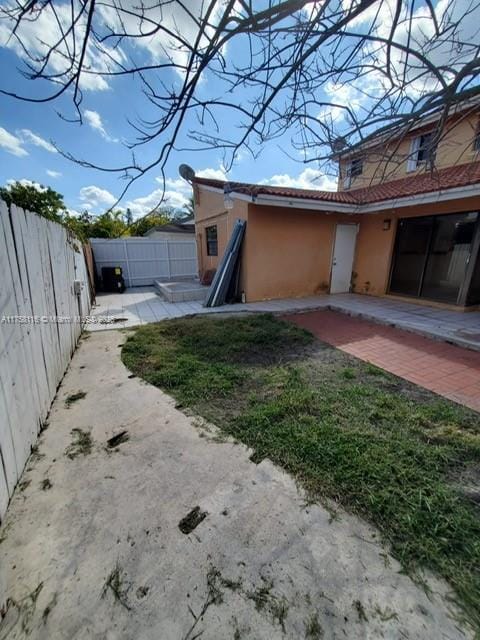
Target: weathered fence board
(39, 262)
(144, 261)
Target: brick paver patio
(448, 370)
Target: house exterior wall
(384, 164)
(210, 211)
(375, 245)
(289, 251)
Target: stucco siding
(210, 211)
(289, 252)
(390, 163)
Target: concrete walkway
(91, 545)
(446, 369)
(141, 305)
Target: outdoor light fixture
(386, 224)
(227, 198)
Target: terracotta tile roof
(442, 179)
(458, 176)
(286, 192)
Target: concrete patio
(142, 305)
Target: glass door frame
(474, 252)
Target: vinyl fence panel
(143, 261)
(39, 262)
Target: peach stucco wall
(209, 211)
(384, 164)
(288, 252)
(375, 246)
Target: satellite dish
(186, 172)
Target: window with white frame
(421, 151)
(353, 168)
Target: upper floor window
(421, 151)
(353, 169)
(212, 241)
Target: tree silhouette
(328, 73)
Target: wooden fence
(41, 308)
(143, 261)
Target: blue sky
(28, 130)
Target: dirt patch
(74, 397)
(192, 520)
(142, 592)
(49, 607)
(118, 439)
(467, 482)
(46, 484)
(117, 584)
(82, 444)
(313, 628)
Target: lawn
(398, 455)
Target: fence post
(168, 260)
(125, 250)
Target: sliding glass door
(432, 255)
(413, 239)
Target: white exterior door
(343, 254)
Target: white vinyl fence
(144, 261)
(39, 329)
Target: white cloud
(53, 174)
(47, 28)
(143, 205)
(179, 184)
(180, 24)
(93, 196)
(214, 174)
(308, 179)
(33, 138)
(27, 183)
(178, 190)
(11, 143)
(94, 119)
(456, 44)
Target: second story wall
(400, 158)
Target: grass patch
(380, 446)
(313, 628)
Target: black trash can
(112, 279)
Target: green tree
(154, 219)
(80, 225)
(42, 200)
(110, 224)
(189, 207)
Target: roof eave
(328, 206)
